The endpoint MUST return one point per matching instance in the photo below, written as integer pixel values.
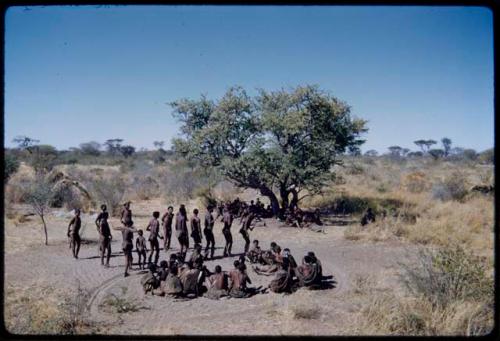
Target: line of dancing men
(273, 261)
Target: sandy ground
(29, 263)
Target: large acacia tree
(282, 143)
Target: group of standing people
(161, 229)
(181, 277)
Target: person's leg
(78, 242)
(109, 252)
(230, 243)
(101, 248)
(157, 254)
(226, 247)
(247, 241)
(127, 260)
(212, 241)
(151, 245)
(208, 243)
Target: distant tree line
(446, 152)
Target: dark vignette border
(492, 5)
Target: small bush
(448, 275)
(415, 182)
(11, 165)
(453, 187)
(108, 190)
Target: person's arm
(121, 217)
(148, 228)
(248, 280)
(97, 221)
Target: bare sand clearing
(29, 264)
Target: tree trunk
(295, 198)
(272, 198)
(45, 230)
(284, 198)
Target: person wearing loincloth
(105, 236)
(208, 231)
(140, 247)
(227, 219)
(195, 227)
(167, 220)
(181, 230)
(74, 233)
(154, 232)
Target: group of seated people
(296, 217)
(288, 274)
(237, 207)
(189, 279)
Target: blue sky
(82, 73)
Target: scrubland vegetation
(440, 200)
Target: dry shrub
(108, 189)
(450, 294)
(448, 275)
(37, 310)
(15, 190)
(388, 314)
(415, 182)
(453, 187)
(145, 188)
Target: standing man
(181, 230)
(209, 232)
(154, 230)
(196, 227)
(167, 219)
(127, 246)
(126, 216)
(105, 236)
(245, 226)
(73, 233)
(227, 219)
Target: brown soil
(29, 263)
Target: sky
(75, 74)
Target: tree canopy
(281, 142)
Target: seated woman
(189, 279)
(254, 255)
(239, 279)
(271, 260)
(173, 284)
(310, 273)
(150, 281)
(217, 284)
(283, 279)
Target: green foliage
(446, 146)
(437, 153)
(90, 148)
(11, 165)
(279, 141)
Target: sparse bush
(10, 167)
(108, 190)
(415, 182)
(453, 187)
(448, 275)
(39, 195)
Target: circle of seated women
(190, 279)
